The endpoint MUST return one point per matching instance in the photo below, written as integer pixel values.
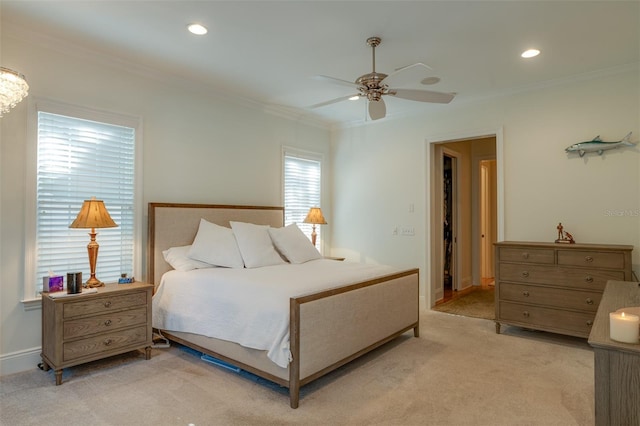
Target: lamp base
(93, 282)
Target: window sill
(32, 304)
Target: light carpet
(458, 372)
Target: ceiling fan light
(430, 80)
(197, 29)
(530, 53)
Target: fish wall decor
(598, 145)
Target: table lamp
(314, 217)
(93, 214)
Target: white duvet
(249, 306)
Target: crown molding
(67, 47)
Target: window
(80, 154)
(302, 188)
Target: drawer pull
(108, 342)
(589, 301)
(525, 274)
(525, 255)
(107, 303)
(590, 323)
(525, 293)
(588, 259)
(525, 314)
(589, 279)
(107, 322)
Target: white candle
(624, 327)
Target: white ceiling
(269, 51)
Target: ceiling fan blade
(377, 109)
(410, 74)
(422, 95)
(336, 80)
(417, 64)
(332, 101)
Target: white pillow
(179, 260)
(216, 245)
(255, 245)
(293, 244)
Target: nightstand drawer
(555, 297)
(104, 343)
(101, 323)
(526, 255)
(554, 319)
(591, 259)
(99, 305)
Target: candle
(624, 327)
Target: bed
(326, 328)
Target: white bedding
(249, 306)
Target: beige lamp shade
(93, 214)
(315, 216)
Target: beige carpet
(459, 372)
(478, 303)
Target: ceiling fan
(375, 85)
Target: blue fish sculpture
(598, 145)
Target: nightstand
(86, 327)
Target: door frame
(432, 246)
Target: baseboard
(17, 362)
(423, 303)
(466, 282)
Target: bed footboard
(330, 328)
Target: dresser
(86, 327)
(555, 287)
(616, 364)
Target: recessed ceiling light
(531, 53)
(197, 29)
(354, 98)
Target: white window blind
(78, 159)
(302, 188)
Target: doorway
(464, 215)
(449, 224)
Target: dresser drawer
(99, 305)
(526, 255)
(549, 296)
(591, 259)
(575, 323)
(588, 279)
(101, 323)
(103, 343)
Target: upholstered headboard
(176, 224)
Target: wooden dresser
(82, 328)
(555, 287)
(616, 364)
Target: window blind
(302, 189)
(78, 159)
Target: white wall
(380, 169)
(197, 148)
